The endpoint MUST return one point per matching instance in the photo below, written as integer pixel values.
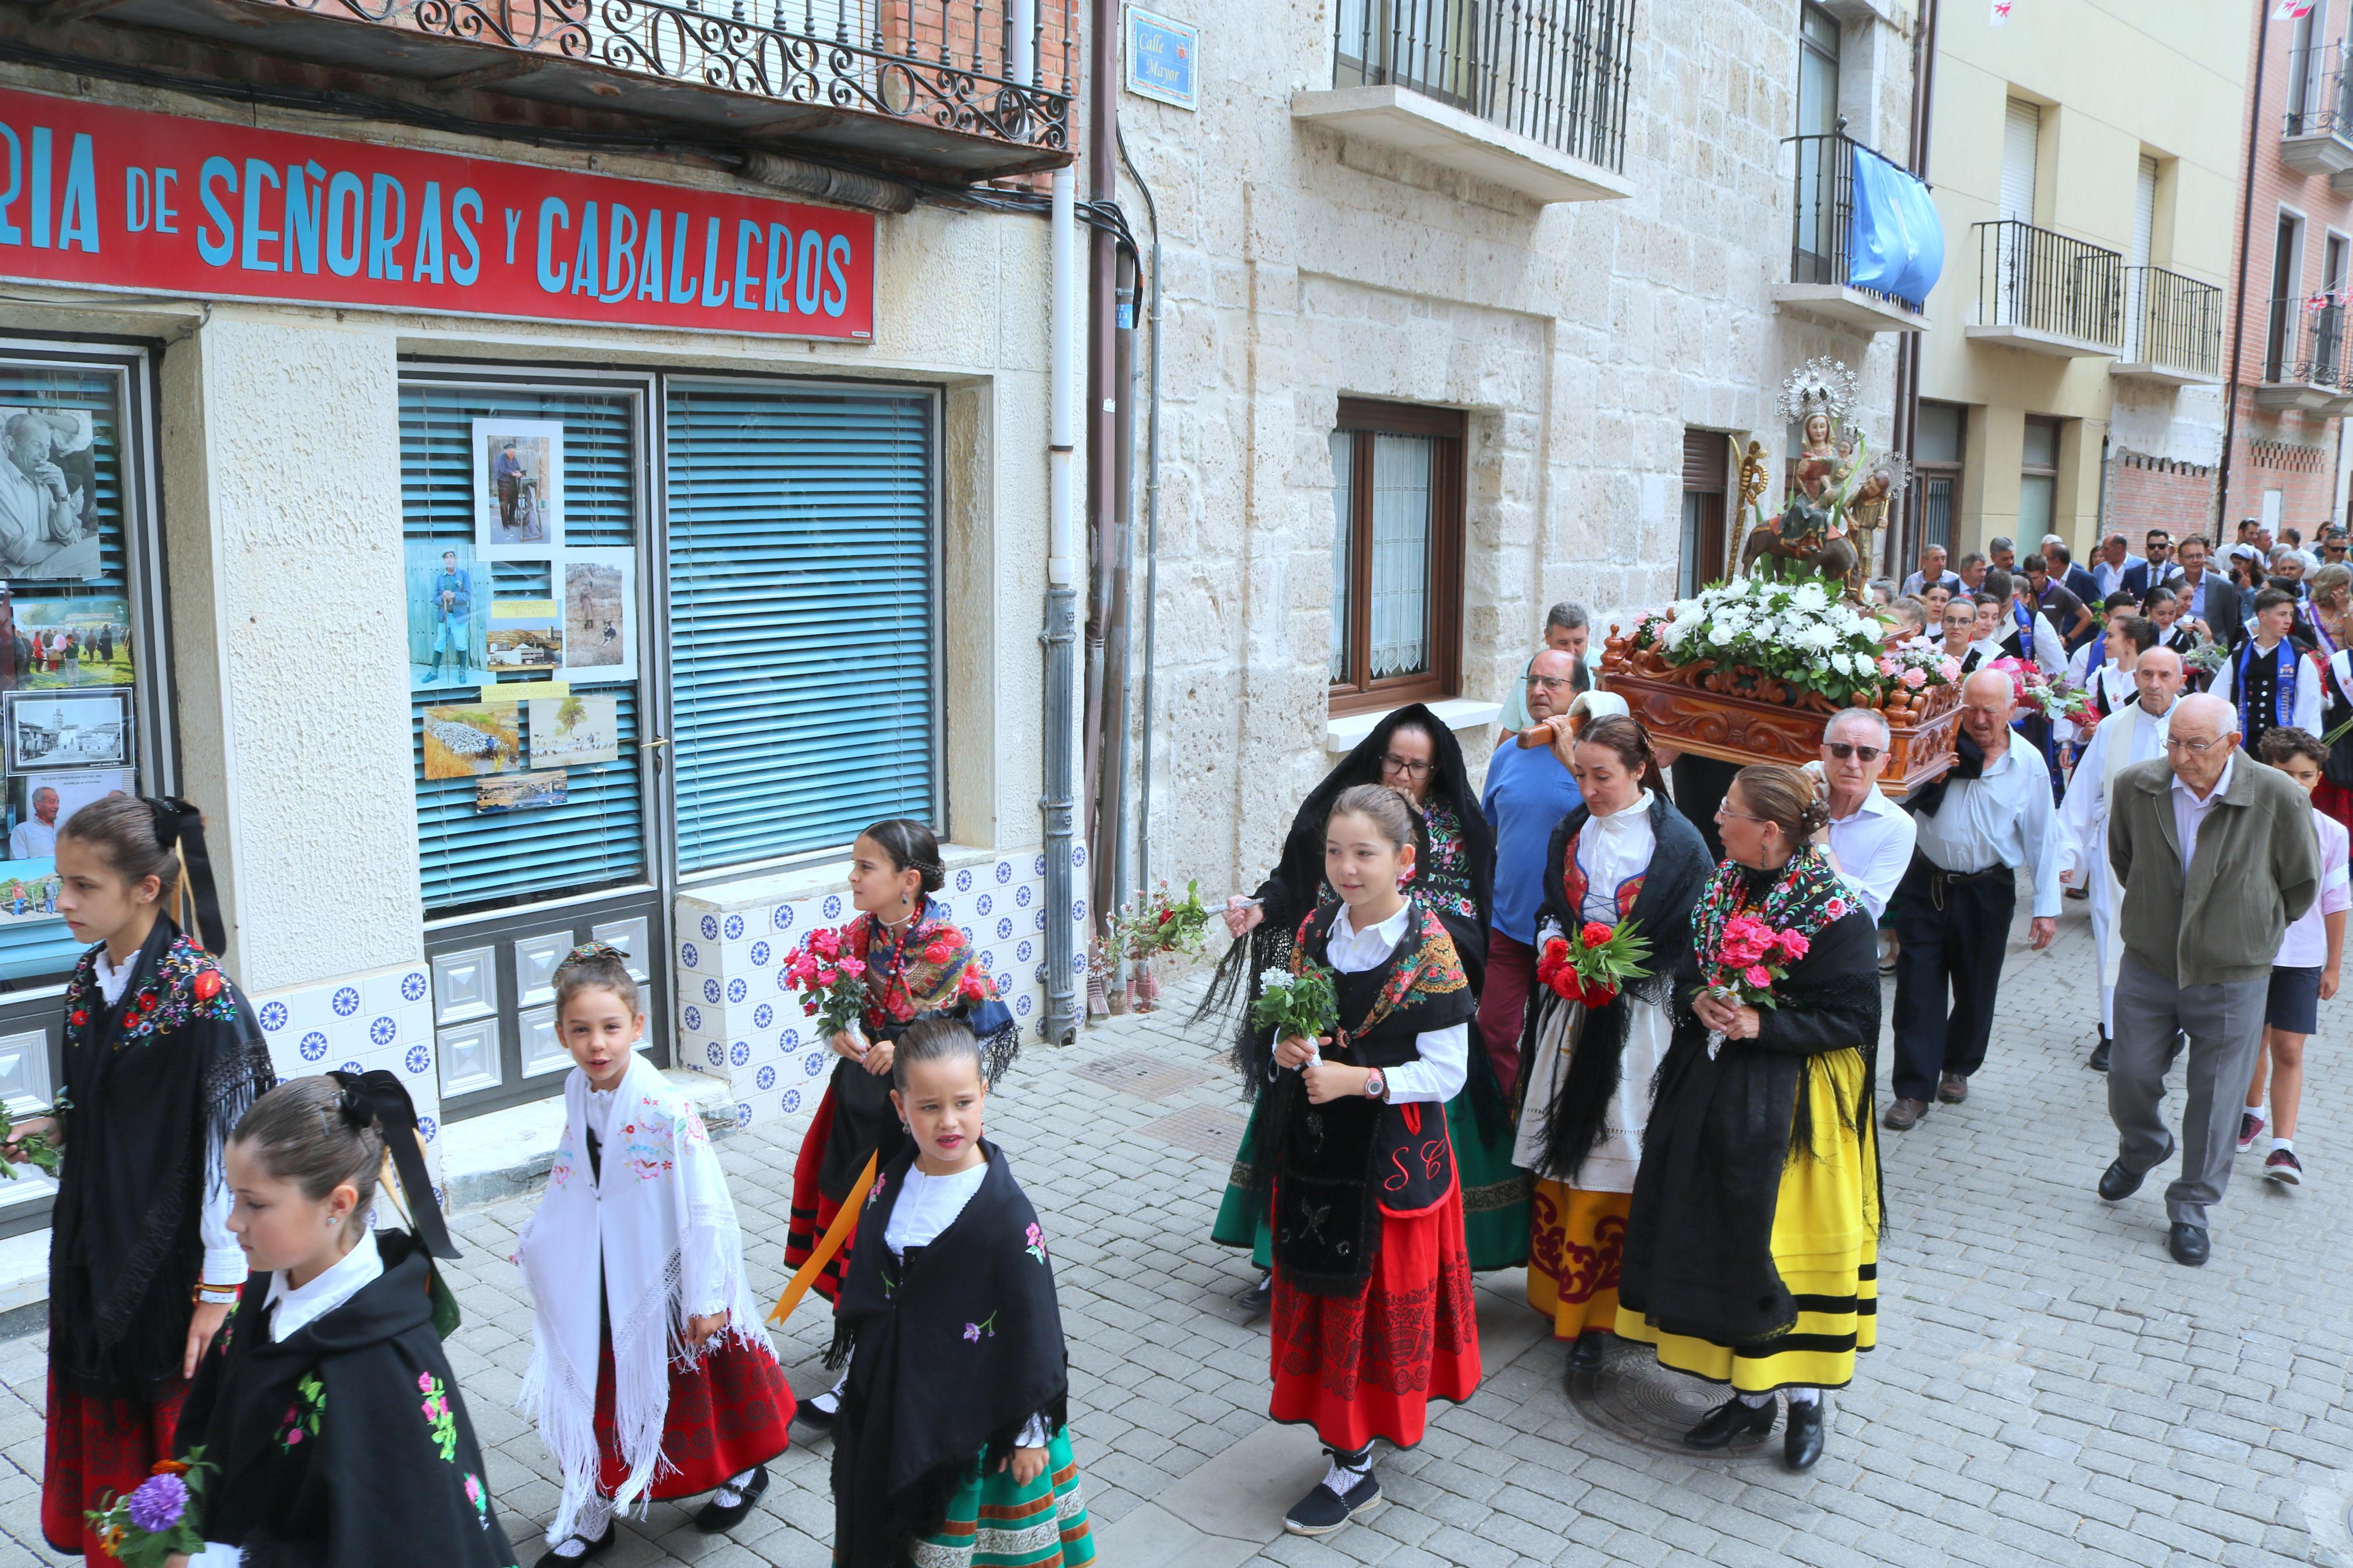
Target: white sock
(830, 1400)
(586, 1529)
(731, 1490)
(1341, 1480)
(1757, 1401)
(2256, 1111)
(2282, 1143)
(1805, 1395)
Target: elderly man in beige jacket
(2198, 947)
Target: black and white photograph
(518, 488)
(598, 600)
(48, 481)
(67, 729)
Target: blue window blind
(35, 948)
(472, 860)
(801, 616)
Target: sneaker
(2250, 1127)
(2284, 1168)
(1324, 1511)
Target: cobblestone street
(2049, 1387)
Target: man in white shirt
(1976, 826)
(1869, 838)
(2115, 558)
(37, 836)
(1932, 571)
(2134, 733)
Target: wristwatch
(1376, 1086)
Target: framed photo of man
(47, 479)
(449, 607)
(518, 488)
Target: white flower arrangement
(1800, 630)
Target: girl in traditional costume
(1373, 1312)
(1627, 854)
(162, 1054)
(650, 1376)
(1413, 753)
(918, 965)
(952, 1449)
(1752, 1250)
(327, 1413)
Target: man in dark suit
(2155, 569)
(2070, 577)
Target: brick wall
(2145, 492)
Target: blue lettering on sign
(552, 210)
(1161, 55)
(467, 200)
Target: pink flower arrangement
(1749, 956)
(830, 979)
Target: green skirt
(992, 1523)
(1494, 1193)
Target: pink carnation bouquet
(1748, 957)
(830, 979)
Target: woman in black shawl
(162, 1054)
(1752, 1252)
(1413, 752)
(1627, 854)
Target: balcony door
(2021, 144)
(1821, 160)
(2279, 328)
(1428, 46)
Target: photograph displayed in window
(2038, 483)
(1397, 553)
(73, 655)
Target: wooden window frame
(1705, 558)
(1448, 427)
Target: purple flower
(158, 1503)
(972, 1332)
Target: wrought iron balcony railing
(2042, 282)
(1552, 70)
(1822, 210)
(2304, 343)
(997, 71)
(2319, 92)
(2172, 322)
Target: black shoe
(1802, 1442)
(1589, 1351)
(2117, 1183)
(2187, 1244)
(1733, 1418)
(1259, 1297)
(1324, 1511)
(716, 1517)
(2099, 1062)
(596, 1548)
(807, 1414)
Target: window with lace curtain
(1397, 554)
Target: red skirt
(731, 1411)
(95, 1446)
(1368, 1366)
(2335, 801)
(812, 1211)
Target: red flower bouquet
(1593, 966)
(830, 979)
(1749, 956)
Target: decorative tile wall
(358, 1024)
(738, 1019)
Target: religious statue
(1840, 490)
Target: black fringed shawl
(156, 1083)
(952, 1353)
(1699, 1240)
(1296, 887)
(1678, 873)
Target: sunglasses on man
(1842, 750)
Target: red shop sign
(115, 198)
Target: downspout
(1102, 498)
(1903, 543)
(1112, 865)
(1060, 634)
(2246, 225)
(1151, 535)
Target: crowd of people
(1680, 1143)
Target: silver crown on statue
(1821, 385)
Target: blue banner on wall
(1896, 242)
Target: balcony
(2317, 132)
(950, 92)
(1822, 227)
(2047, 292)
(1528, 94)
(2305, 360)
(2173, 330)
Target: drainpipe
(2239, 323)
(1902, 542)
(1060, 634)
(1112, 866)
(1103, 434)
(1151, 535)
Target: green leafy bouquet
(1156, 923)
(1304, 1005)
(158, 1518)
(35, 1147)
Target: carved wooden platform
(1740, 715)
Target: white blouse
(1445, 1063)
(1611, 851)
(224, 1264)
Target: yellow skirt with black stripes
(1826, 1244)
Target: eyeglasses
(1724, 811)
(2195, 748)
(1393, 763)
(1843, 750)
(1551, 682)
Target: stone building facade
(1311, 261)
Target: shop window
(1701, 560)
(803, 629)
(1397, 553)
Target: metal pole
(2239, 322)
(1062, 632)
(1151, 536)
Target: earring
(332, 1222)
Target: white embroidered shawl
(662, 1225)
